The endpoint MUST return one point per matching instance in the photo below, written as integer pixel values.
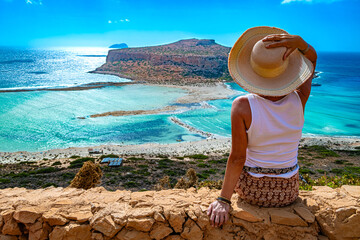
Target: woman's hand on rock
(291, 42)
(218, 213)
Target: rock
(286, 218)
(143, 224)
(205, 61)
(119, 45)
(10, 226)
(27, 215)
(174, 237)
(176, 220)
(172, 214)
(141, 213)
(39, 231)
(96, 236)
(160, 231)
(80, 216)
(7, 237)
(106, 226)
(325, 192)
(53, 218)
(245, 213)
(191, 230)
(353, 191)
(73, 231)
(126, 234)
(305, 214)
(159, 217)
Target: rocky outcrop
(69, 213)
(185, 61)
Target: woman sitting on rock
(277, 69)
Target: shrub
(109, 156)
(79, 162)
(130, 184)
(211, 184)
(198, 156)
(203, 165)
(56, 163)
(190, 180)
(305, 170)
(323, 151)
(164, 183)
(45, 170)
(88, 176)
(340, 161)
(49, 184)
(4, 180)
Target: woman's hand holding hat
(291, 42)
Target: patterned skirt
(268, 191)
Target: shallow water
(41, 120)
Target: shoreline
(214, 146)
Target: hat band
(269, 72)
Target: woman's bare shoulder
(241, 108)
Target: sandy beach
(215, 146)
(195, 94)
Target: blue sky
(329, 25)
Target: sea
(41, 120)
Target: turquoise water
(40, 120)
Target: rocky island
(184, 62)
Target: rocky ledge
(69, 213)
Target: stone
(159, 217)
(27, 215)
(7, 237)
(126, 234)
(80, 216)
(176, 220)
(305, 214)
(143, 224)
(96, 236)
(191, 230)
(353, 191)
(120, 218)
(160, 231)
(324, 192)
(174, 237)
(284, 217)
(172, 215)
(10, 226)
(245, 213)
(106, 226)
(73, 231)
(141, 213)
(39, 231)
(53, 218)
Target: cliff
(183, 62)
(69, 213)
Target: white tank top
(274, 133)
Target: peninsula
(185, 62)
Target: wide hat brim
(297, 72)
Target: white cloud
(119, 21)
(34, 2)
(308, 1)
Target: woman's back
(274, 133)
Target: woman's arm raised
(293, 42)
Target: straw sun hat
(262, 70)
